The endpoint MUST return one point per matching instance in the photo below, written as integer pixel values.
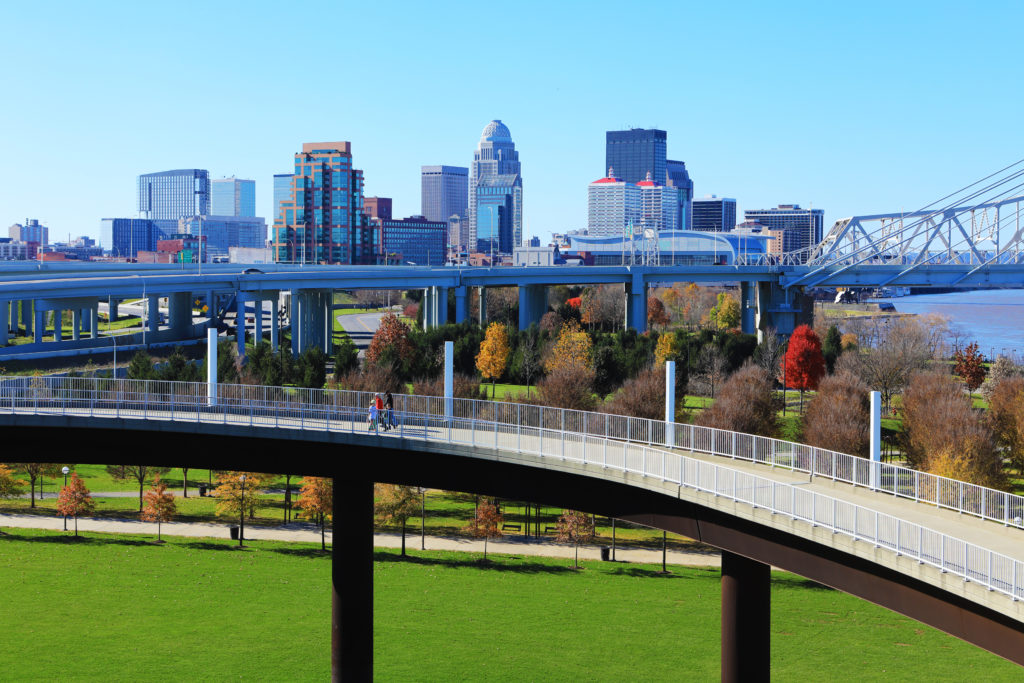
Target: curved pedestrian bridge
(942, 551)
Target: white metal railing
(489, 424)
(959, 496)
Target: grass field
(115, 607)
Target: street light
(65, 470)
(241, 514)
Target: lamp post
(241, 514)
(65, 470)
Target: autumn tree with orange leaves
(494, 353)
(75, 500)
(396, 503)
(9, 486)
(656, 314)
(486, 523)
(969, 366)
(159, 506)
(316, 501)
(390, 344)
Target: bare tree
(838, 417)
(768, 354)
(712, 368)
(745, 404)
(905, 348)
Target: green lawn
(117, 606)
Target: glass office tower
(636, 152)
(495, 189)
(170, 195)
(233, 197)
(714, 214)
(444, 192)
(282, 192)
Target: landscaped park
(204, 607)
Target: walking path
(309, 533)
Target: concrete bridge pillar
(240, 302)
(112, 310)
(532, 304)
(76, 323)
(326, 322)
(153, 312)
(296, 320)
(461, 312)
(776, 307)
(4, 322)
(258, 321)
(179, 314)
(748, 307)
(482, 313)
(440, 306)
(275, 322)
(94, 321)
(26, 315)
(746, 619)
(636, 303)
(58, 327)
(40, 324)
(352, 582)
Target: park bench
(507, 526)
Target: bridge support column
(4, 322)
(153, 312)
(461, 312)
(26, 316)
(352, 582)
(39, 329)
(482, 313)
(748, 307)
(532, 303)
(58, 326)
(111, 312)
(440, 306)
(240, 324)
(94, 321)
(275, 322)
(179, 314)
(76, 323)
(258, 321)
(775, 308)
(636, 303)
(326, 299)
(746, 619)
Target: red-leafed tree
(75, 500)
(390, 342)
(968, 366)
(656, 314)
(575, 527)
(804, 364)
(159, 505)
(574, 302)
(486, 523)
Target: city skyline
(789, 124)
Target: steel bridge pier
(746, 619)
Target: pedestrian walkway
(309, 533)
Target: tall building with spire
(495, 192)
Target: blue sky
(856, 108)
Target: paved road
(360, 328)
(309, 533)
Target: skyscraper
(659, 205)
(636, 152)
(444, 193)
(233, 197)
(495, 192)
(679, 178)
(800, 228)
(322, 219)
(282, 192)
(714, 214)
(170, 195)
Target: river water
(994, 318)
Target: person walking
(389, 412)
(379, 402)
(371, 419)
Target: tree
(159, 507)
(494, 352)
(725, 314)
(1006, 415)
(567, 387)
(316, 501)
(486, 523)
(1002, 369)
(656, 314)
(670, 346)
(396, 503)
(901, 349)
(712, 368)
(602, 307)
(839, 416)
(137, 472)
(831, 348)
(390, 342)
(529, 356)
(804, 362)
(745, 404)
(74, 500)
(35, 471)
(347, 356)
(178, 369)
(141, 366)
(769, 352)
(572, 348)
(643, 396)
(9, 486)
(968, 365)
(233, 496)
(311, 368)
(575, 527)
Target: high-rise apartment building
(636, 152)
(714, 214)
(282, 192)
(444, 192)
(659, 205)
(495, 192)
(322, 220)
(233, 197)
(377, 207)
(31, 231)
(800, 228)
(170, 195)
(613, 206)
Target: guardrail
(922, 487)
(425, 418)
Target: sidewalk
(308, 533)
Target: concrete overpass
(944, 552)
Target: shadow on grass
(641, 573)
(477, 563)
(301, 552)
(70, 539)
(798, 582)
(206, 545)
